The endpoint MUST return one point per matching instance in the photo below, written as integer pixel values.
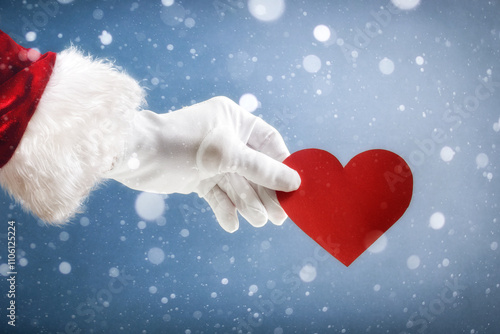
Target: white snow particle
(189, 22)
(98, 14)
(249, 102)
(33, 54)
(447, 154)
(4, 269)
(105, 38)
(266, 10)
(322, 33)
(65, 267)
(149, 206)
(494, 245)
(481, 160)
(311, 63)
(264, 245)
(114, 272)
(30, 36)
(253, 289)
(437, 220)
(84, 221)
(308, 273)
(496, 126)
(413, 262)
(386, 66)
(64, 236)
(156, 255)
(419, 60)
(23, 262)
(406, 4)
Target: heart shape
(346, 209)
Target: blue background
(425, 280)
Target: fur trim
(74, 137)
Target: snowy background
(344, 76)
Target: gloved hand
(216, 149)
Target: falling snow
(105, 38)
(437, 221)
(419, 78)
(322, 33)
(266, 10)
(311, 63)
(149, 206)
(386, 66)
(447, 153)
(64, 267)
(249, 102)
(156, 255)
(413, 262)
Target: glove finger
(223, 152)
(266, 139)
(275, 212)
(252, 130)
(264, 170)
(223, 208)
(207, 185)
(245, 199)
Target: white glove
(216, 149)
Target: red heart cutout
(346, 209)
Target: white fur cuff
(73, 138)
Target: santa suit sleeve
(74, 125)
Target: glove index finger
(266, 139)
(264, 170)
(223, 152)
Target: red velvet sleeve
(24, 74)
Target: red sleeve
(24, 74)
